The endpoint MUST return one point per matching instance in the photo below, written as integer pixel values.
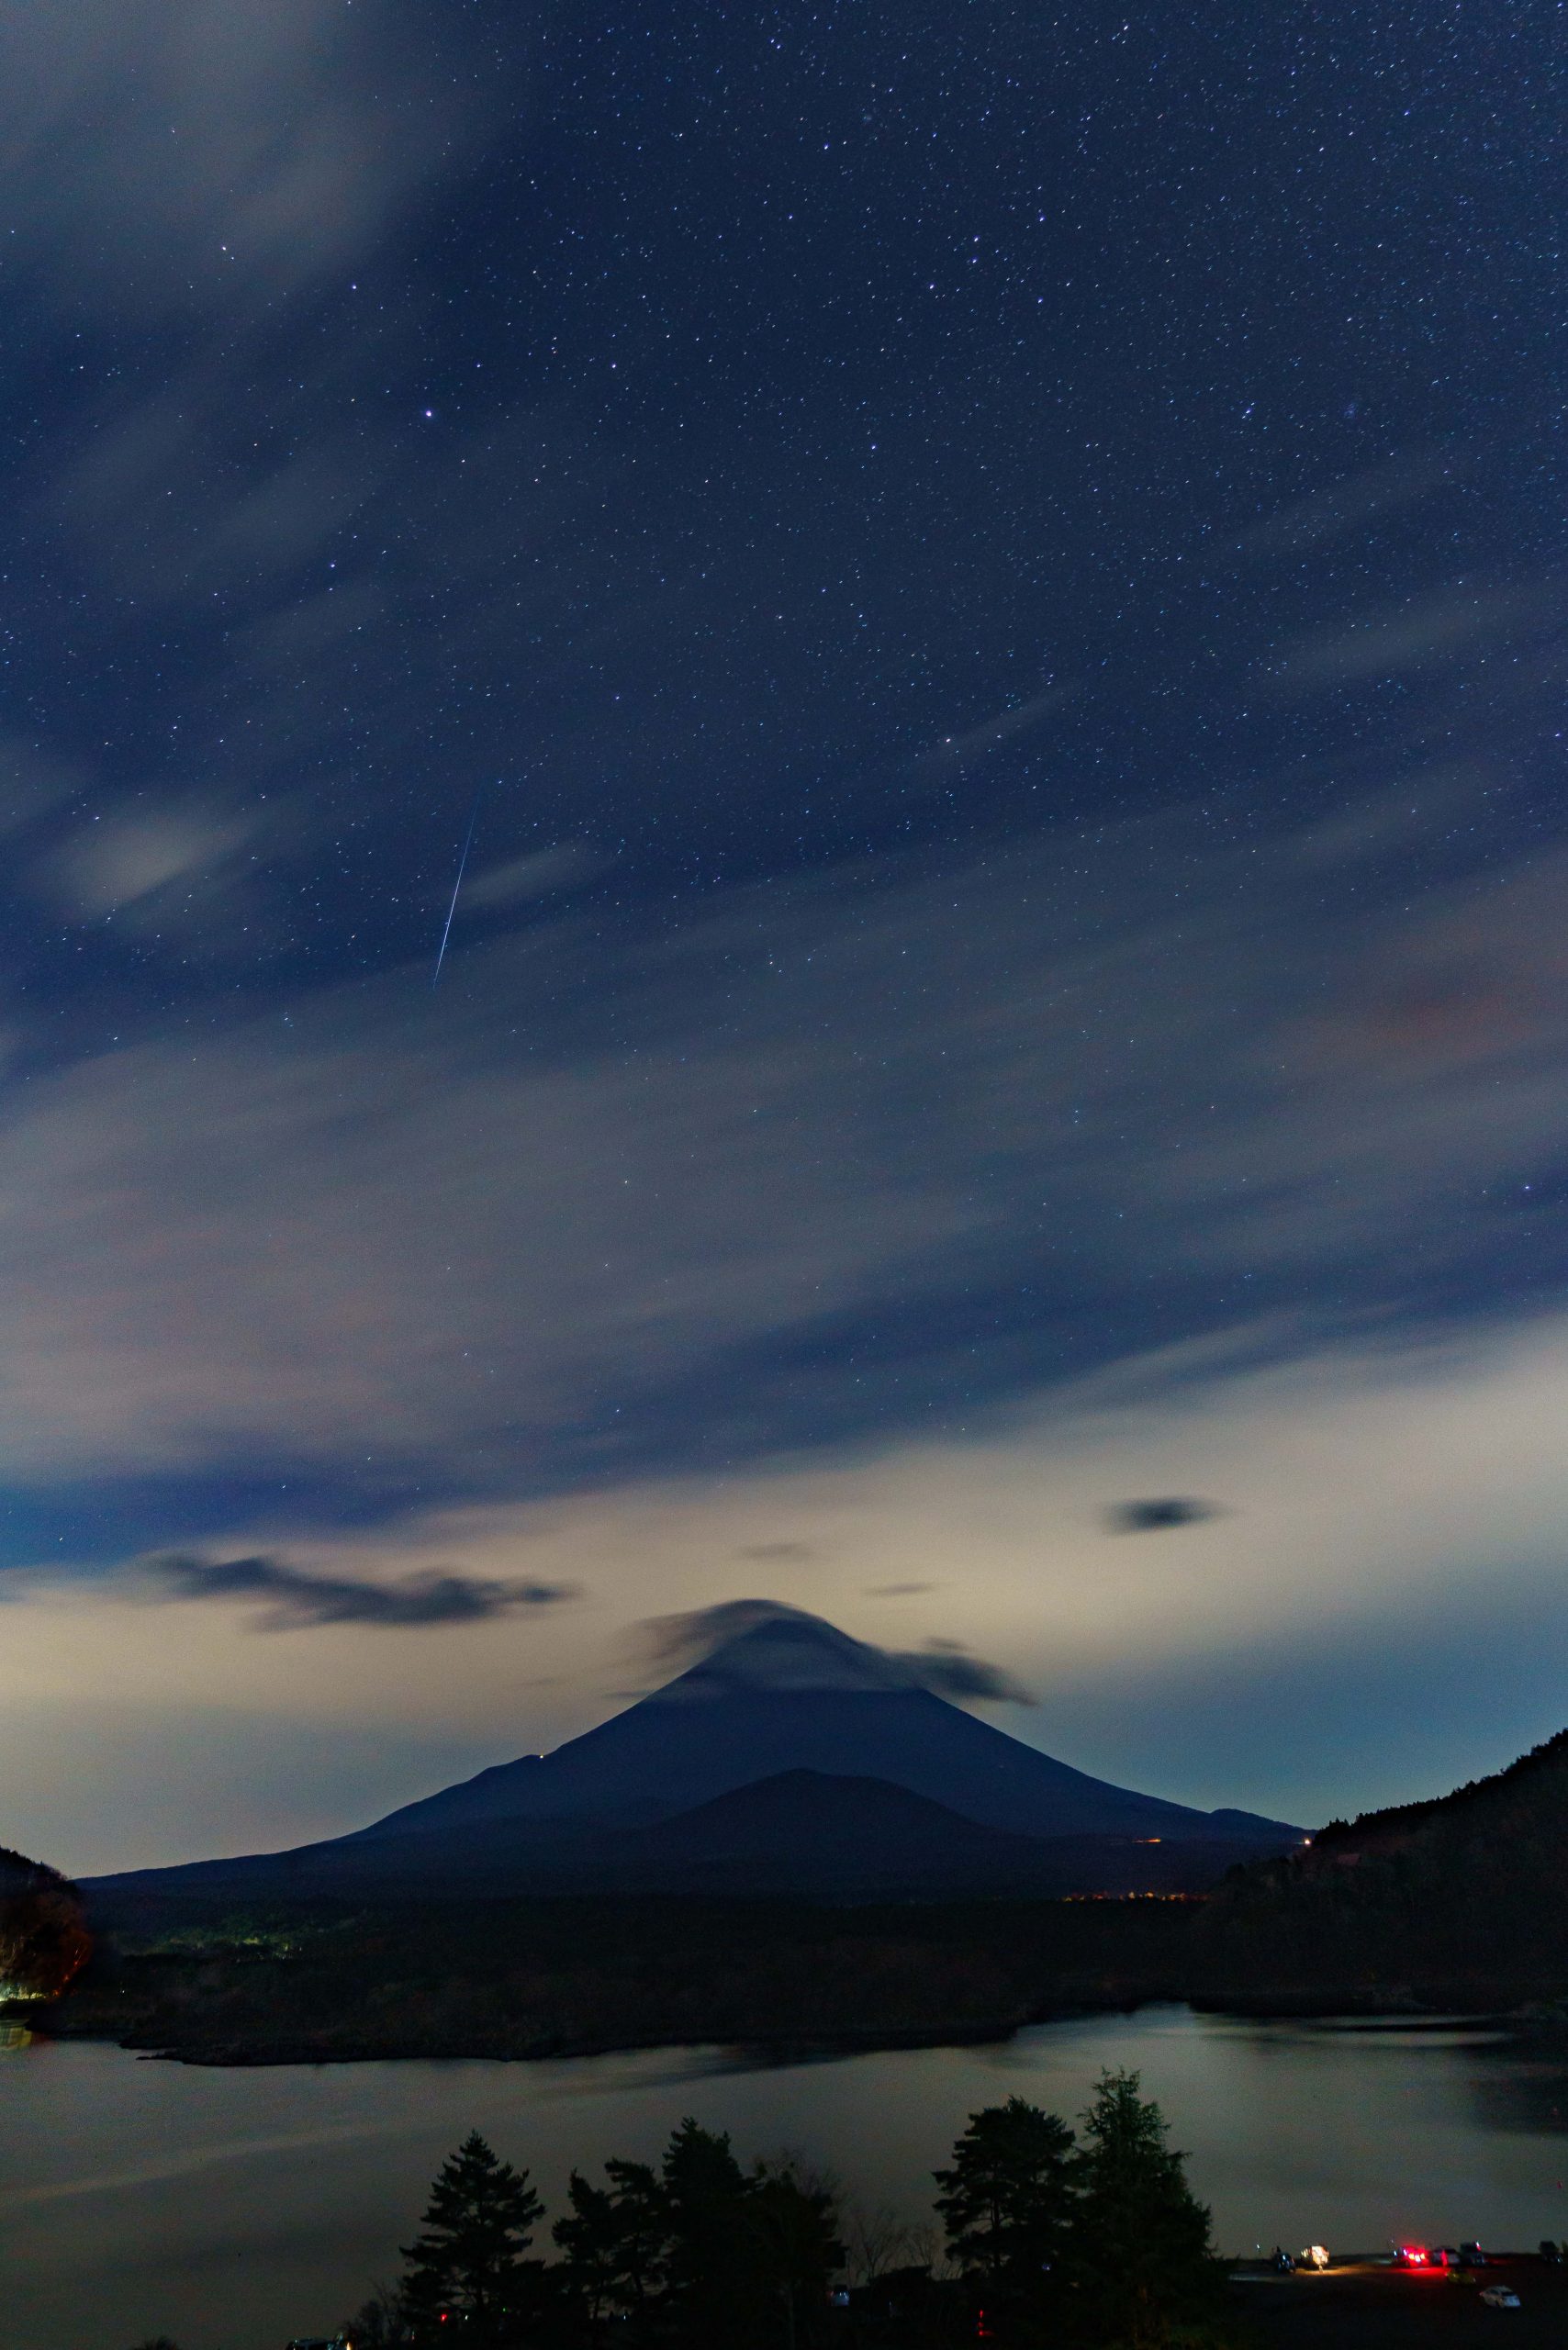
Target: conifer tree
(711, 2280)
(791, 2224)
(1005, 2202)
(615, 2240)
(1141, 2268)
(468, 2259)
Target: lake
(233, 2209)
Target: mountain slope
(799, 1831)
(866, 1768)
(807, 1823)
(805, 1833)
(802, 1833)
(797, 1695)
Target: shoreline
(779, 2048)
(517, 1981)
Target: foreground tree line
(1046, 2238)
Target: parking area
(1366, 2305)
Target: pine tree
(791, 2226)
(589, 2238)
(1141, 2268)
(710, 2281)
(468, 2261)
(616, 2239)
(1005, 2202)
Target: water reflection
(1527, 2092)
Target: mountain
(808, 1828)
(835, 1746)
(808, 1834)
(795, 1694)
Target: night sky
(977, 596)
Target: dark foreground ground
(1365, 2306)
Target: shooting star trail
(462, 864)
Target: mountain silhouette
(833, 1737)
(813, 1833)
(797, 1693)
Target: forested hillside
(1460, 1900)
(44, 1939)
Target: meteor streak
(462, 862)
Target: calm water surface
(232, 2209)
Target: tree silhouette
(616, 2241)
(711, 2276)
(791, 2224)
(1006, 2202)
(1142, 2269)
(379, 2323)
(468, 2261)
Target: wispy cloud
(204, 152)
(293, 556)
(150, 865)
(1267, 1068)
(295, 1599)
(538, 875)
(1347, 506)
(973, 742)
(1419, 633)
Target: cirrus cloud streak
(1090, 1073)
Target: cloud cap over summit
(767, 1644)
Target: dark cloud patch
(777, 1553)
(1159, 1513)
(944, 1666)
(898, 1590)
(294, 1598)
(947, 1667)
